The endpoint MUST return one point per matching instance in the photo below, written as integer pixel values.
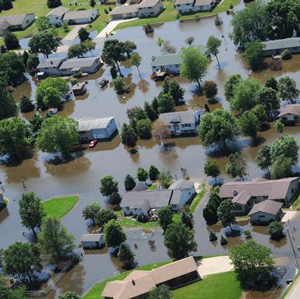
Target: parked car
(93, 143)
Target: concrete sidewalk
(214, 265)
(294, 292)
(73, 33)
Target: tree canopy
(254, 54)
(108, 185)
(212, 168)
(8, 107)
(288, 90)
(129, 182)
(213, 44)
(165, 217)
(114, 234)
(249, 124)
(91, 211)
(44, 42)
(236, 165)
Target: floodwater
(82, 175)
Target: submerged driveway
(214, 265)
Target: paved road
(214, 265)
(295, 290)
(72, 34)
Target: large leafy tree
(144, 128)
(230, 85)
(108, 185)
(217, 128)
(26, 104)
(44, 42)
(22, 260)
(281, 167)
(129, 182)
(128, 135)
(91, 211)
(8, 107)
(11, 41)
(253, 264)
(165, 217)
(153, 173)
(58, 135)
(288, 90)
(210, 212)
(254, 54)
(174, 90)
(269, 100)
(225, 213)
(42, 23)
(83, 34)
(15, 138)
(53, 3)
(249, 124)
(31, 211)
(114, 234)
(213, 44)
(263, 158)
(193, 64)
(142, 174)
(212, 168)
(55, 240)
(166, 103)
(135, 114)
(104, 216)
(52, 98)
(126, 256)
(179, 240)
(136, 60)
(236, 165)
(275, 230)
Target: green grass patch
(96, 291)
(296, 203)
(171, 14)
(60, 206)
(197, 199)
(223, 285)
(153, 187)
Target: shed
(92, 241)
(79, 89)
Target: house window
(293, 191)
(261, 216)
(284, 118)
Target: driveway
(214, 265)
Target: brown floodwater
(82, 175)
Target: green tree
(104, 216)
(263, 158)
(161, 292)
(22, 260)
(210, 89)
(129, 47)
(42, 23)
(136, 60)
(115, 199)
(288, 90)
(55, 240)
(92, 3)
(26, 104)
(193, 64)
(52, 98)
(33, 61)
(210, 212)
(150, 112)
(91, 211)
(253, 264)
(142, 174)
(36, 123)
(129, 182)
(113, 234)
(230, 85)
(6, 293)
(279, 126)
(217, 128)
(260, 114)
(126, 256)
(53, 3)
(174, 90)
(249, 124)
(144, 128)
(212, 168)
(213, 44)
(8, 107)
(236, 165)
(269, 100)
(31, 211)
(153, 173)
(6, 4)
(187, 219)
(254, 54)
(77, 50)
(165, 217)
(15, 138)
(165, 103)
(179, 240)
(275, 230)
(225, 213)
(108, 185)
(119, 84)
(83, 34)
(69, 295)
(281, 167)
(160, 41)
(135, 114)
(44, 42)
(128, 135)
(11, 41)
(58, 135)
(272, 83)
(165, 177)
(189, 40)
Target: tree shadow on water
(59, 159)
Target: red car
(93, 143)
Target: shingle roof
(182, 184)
(15, 20)
(78, 63)
(51, 62)
(4, 24)
(79, 14)
(292, 42)
(181, 2)
(290, 109)
(91, 238)
(147, 3)
(267, 206)
(124, 9)
(202, 2)
(90, 123)
(140, 186)
(180, 117)
(59, 11)
(166, 59)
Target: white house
(92, 128)
(184, 6)
(276, 47)
(92, 241)
(50, 67)
(56, 16)
(15, 22)
(290, 115)
(166, 62)
(182, 122)
(124, 12)
(83, 65)
(203, 5)
(149, 8)
(187, 192)
(81, 16)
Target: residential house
(139, 283)
(266, 211)
(80, 65)
(203, 5)
(15, 22)
(92, 128)
(182, 122)
(124, 12)
(247, 193)
(276, 47)
(79, 89)
(187, 188)
(149, 8)
(56, 16)
(290, 115)
(92, 241)
(49, 67)
(192, 6)
(81, 16)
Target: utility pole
(223, 36)
(295, 255)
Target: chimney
(235, 193)
(133, 282)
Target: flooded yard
(82, 175)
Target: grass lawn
(60, 206)
(170, 14)
(223, 285)
(197, 199)
(296, 203)
(153, 187)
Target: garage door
(99, 134)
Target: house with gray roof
(50, 67)
(192, 6)
(276, 47)
(15, 22)
(150, 8)
(56, 16)
(182, 122)
(81, 16)
(93, 128)
(246, 194)
(92, 241)
(290, 115)
(124, 12)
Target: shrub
(223, 240)
(73, 81)
(212, 237)
(78, 75)
(286, 55)
(247, 233)
(275, 230)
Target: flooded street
(82, 175)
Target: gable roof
(15, 20)
(79, 14)
(124, 9)
(267, 206)
(51, 62)
(90, 123)
(78, 62)
(147, 3)
(92, 238)
(180, 117)
(182, 184)
(140, 186)
(202, 2)
(4, 25)
(182, 2)
(292, 42)
(58, 11)
(290, 109)
(166, 59)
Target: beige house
(150, 8)
(15, 22)
(139, 283)
(266, 211)
(81, 16)
(192, 6)
(290, 115)
(56, 16)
